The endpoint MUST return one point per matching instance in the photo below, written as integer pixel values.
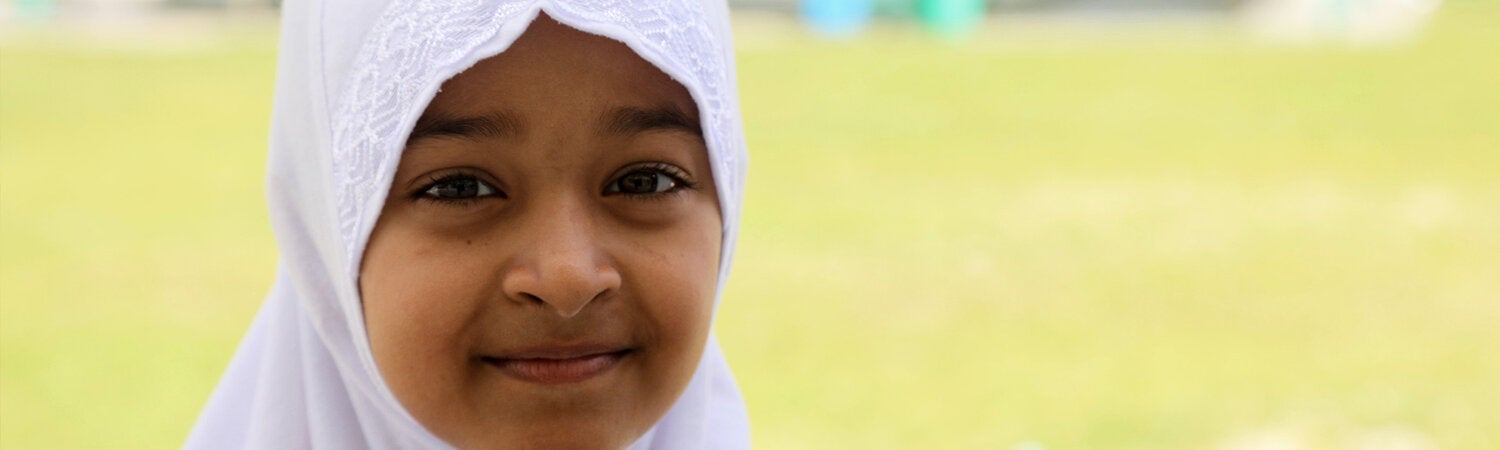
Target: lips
(558, 365)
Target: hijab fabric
(353, 76)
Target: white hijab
(353, 77)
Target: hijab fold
(352, 78)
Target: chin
(578, 437)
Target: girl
(503, 224)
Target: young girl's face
(543, 272)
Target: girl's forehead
(559, 88)
(554, 67)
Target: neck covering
(353, 76)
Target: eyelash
(435, 181)
(678, 177)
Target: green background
(1063, 237)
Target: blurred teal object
(35, 9)
(836, 17)
(951, 18)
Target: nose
(561, 266)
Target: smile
(554, 366)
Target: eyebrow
(492, 125)
(632, 120)
(623, 120)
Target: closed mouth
(556, 366)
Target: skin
(556, 194)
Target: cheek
(420, 297)
(675, 276)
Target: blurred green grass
(1143, 239)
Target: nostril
(566, 282)
(533, 298)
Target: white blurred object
(1350, 21)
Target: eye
(457, 187)
(649, 180)
(643, 182)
